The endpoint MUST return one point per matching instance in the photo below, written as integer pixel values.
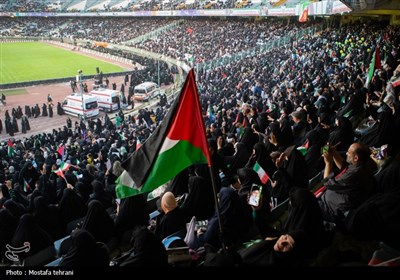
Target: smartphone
(324, 149)
(255, 197)
(118, 201)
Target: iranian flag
(65, 166)
(303, 17)
(27, 187)
(10, 150)
(261, 173)
(60, 173)
(176, 144)
(395, 81)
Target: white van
(73, 105)
(145, 91)
(107, 99)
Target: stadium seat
(41, 258)
(62, 245)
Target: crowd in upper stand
(133, 5)
(263, 109)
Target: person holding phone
(353, 184)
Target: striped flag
(177, 143)
(261, 173)
(27, 187)
(60, 150)
(395, 81)
(65, 166)
(304, 148)
(138, 144)
(60, 173)
(375, 64)
(348, 113)
(10, 149)
(303, 17)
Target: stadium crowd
(300, 111)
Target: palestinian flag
(177, 143)
(10, 148)
(261, 173)
(60, 150)
(304, 148)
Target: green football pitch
(21, 62)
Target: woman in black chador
(60, 110)
(85, 251)
(44, 110)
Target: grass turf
(20, 62)
(18, 91)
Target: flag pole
(205, 144)
(217, 206)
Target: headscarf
(147, 250)
(305, 216)
(200, 200)
(85, 251)
(98, 222)
(71, 206)
(48, 217)
(342, 135)
(133, 211)
(8, 225)
(16, 209)
(29, 231)
(231, 214)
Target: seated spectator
(98, 222)
(133, 211)
(8, 225)
(85, 251)
(200, 200)
(283, 251)
(147, 250)
(173, 219)
(353, 185)
(29, 231)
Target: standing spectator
(50, 110)
(73, 85)
(49, 99)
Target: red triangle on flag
(60, 150)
